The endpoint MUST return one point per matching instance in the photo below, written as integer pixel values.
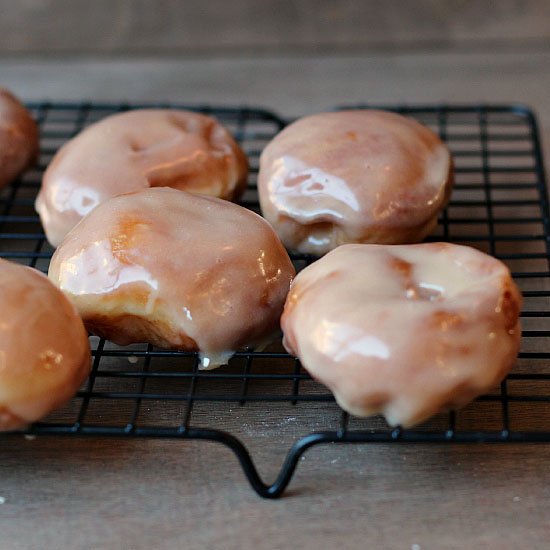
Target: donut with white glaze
(137, 150)
(177, 270)
(44, 349)
(404, 331)
(361, 176)
(18, 138)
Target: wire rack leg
(276, 489)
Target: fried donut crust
(406, 330)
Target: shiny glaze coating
(177, 270)
(137, 150)
(353, 176)
(18, 138)
(44, 350)
(405, 331)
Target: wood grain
(220, 27)
(83, 494)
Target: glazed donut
(18, 138)
(176, 270)
(137, 150)
(362, 176)
(44, 350)
(405, 331)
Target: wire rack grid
(499, 205)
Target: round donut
(405, 331)
(44, 349)
(136, 150)
(18, 138)
(177, 270)
(361, 176)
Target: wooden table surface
(128, 494)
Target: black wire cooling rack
(499, 205)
